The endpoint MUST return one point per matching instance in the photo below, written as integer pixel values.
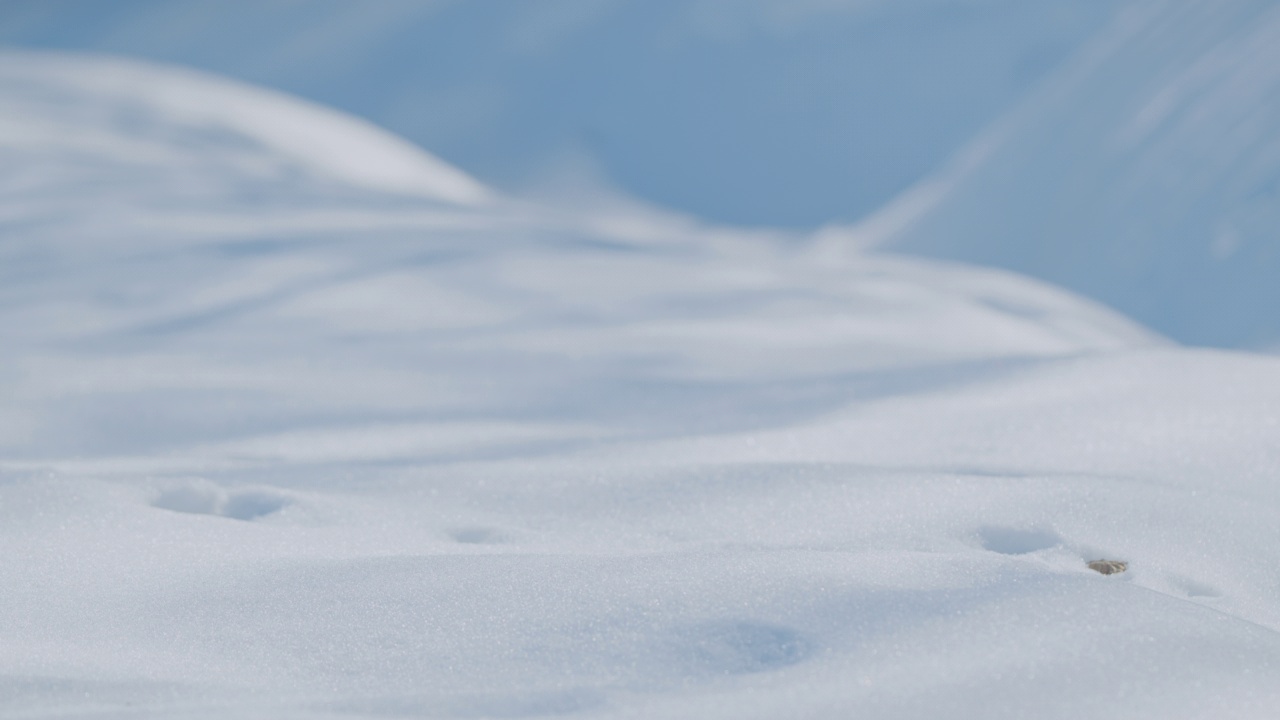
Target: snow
(294, 130)
(751, 111)
(1146, 170)
(356, 437)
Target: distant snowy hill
(297, 420)
(754, 112)
(1145, 174)
(211, 122)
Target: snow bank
(278, 443)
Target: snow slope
(1143, 174)
(749, 112)
(293, 436)
(223, 121)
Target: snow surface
(288, 435)
(1145, 174)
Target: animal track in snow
(1179, 586)
(1195, 589)
(739, 647)
(1014, 541)
(201, 497)
(476, 535)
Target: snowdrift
(1145, 174)
(296, 421)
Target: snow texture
(289, 433)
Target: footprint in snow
(201, 497)
(739, 647)
(1198, 590)
(1016, 541)
(477, 535)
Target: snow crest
(188, 107)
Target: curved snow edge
(323, 139)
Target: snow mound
(177, 109)
(1144, 174)
(286, 445)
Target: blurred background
(1128, 150)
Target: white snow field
(297, 421)
(1147, 169)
